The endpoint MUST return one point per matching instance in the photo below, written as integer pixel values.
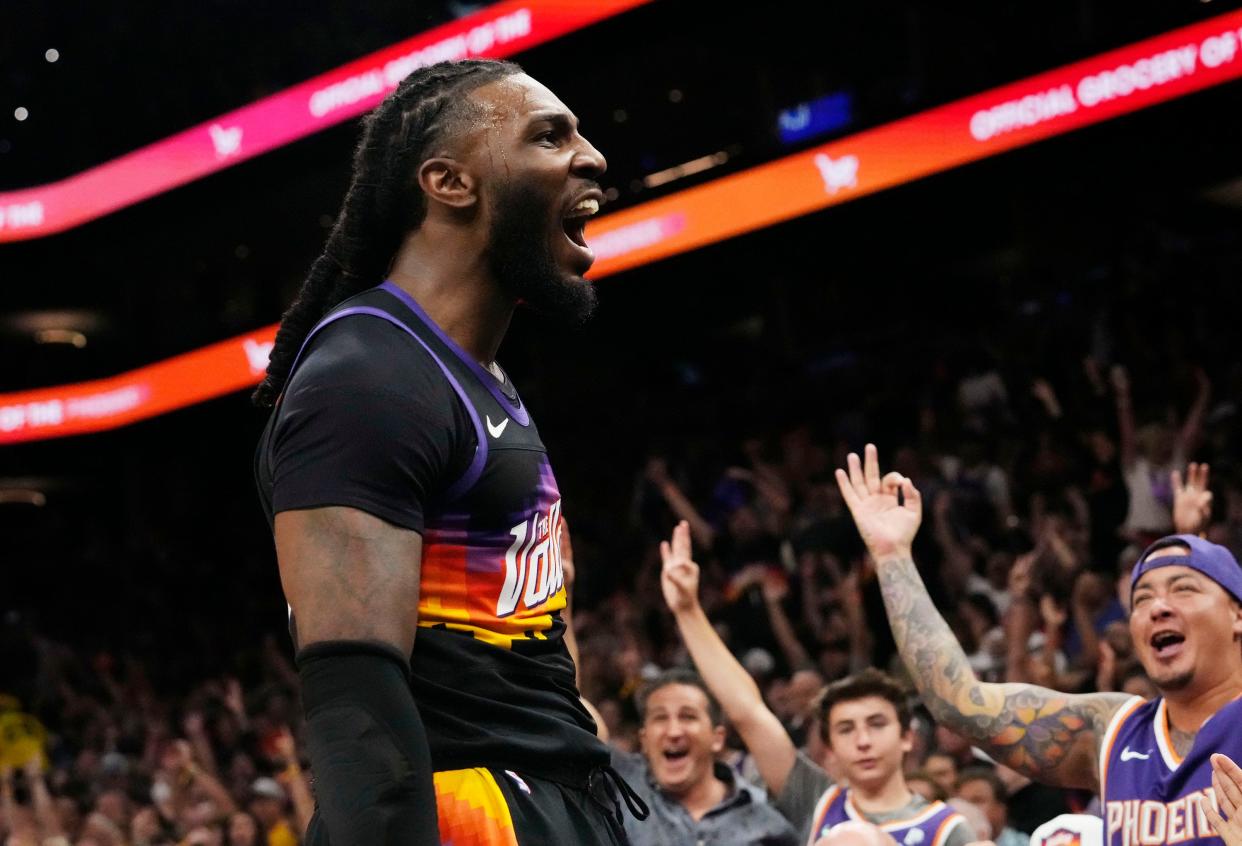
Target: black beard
(1178, 682)
(519, 254)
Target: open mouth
(1167, 644)
(575, 230)
(673, 755)
(575, 220)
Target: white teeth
(589, 205)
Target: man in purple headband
(1151, 762)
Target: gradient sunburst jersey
(491, 674)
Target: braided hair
(383, 202)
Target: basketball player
(1149, 761)
(864, 720)
(409, 491)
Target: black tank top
(491, 674)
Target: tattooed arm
(1050, 736)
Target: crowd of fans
(1030, 529)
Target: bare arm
(862, 644)
(727, 679)
(1125, 415)
(200, 742)
(795, 653)
(957, 565)
(349, 576)
(679, 503)
(294, 781)
(1050, 736)
(352, 581)
(44, 807)
(1192, 428)
(210, 785)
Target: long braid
(383, 202)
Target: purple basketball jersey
(1150, 793)
(930, 826)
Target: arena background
(1118, 240)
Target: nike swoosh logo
(496, 431)
(1127, 755)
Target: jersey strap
(472, 473)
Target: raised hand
(193, 724)
(233, 697)
(285, 746)
(679, 578)
(1053, 615)
(1227, 784)
(1020, 576)
(887, 526)
(1192, 501)
(1120, 379)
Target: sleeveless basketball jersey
(930, 826)
(1150, 794)
(491, 674)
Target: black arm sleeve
(367, 747)
(368, 421)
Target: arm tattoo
(1050, 736)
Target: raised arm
(1050, 736)
(352, 581)
(679, 503)
(1125, 415)
(294, 781)
(1192, 427)
(774, 592)
(739, 696)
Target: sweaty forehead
(514, 99)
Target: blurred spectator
(984, 789)
(269, 805)
(692, 796)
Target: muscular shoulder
(368, 421)
(366, 353)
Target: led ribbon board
(1115, 83)
(500, 30)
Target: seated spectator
(693, 797)
(921, 782)
(941, 767)
(981, 787)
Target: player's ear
(1236, 607)
(447, 181)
